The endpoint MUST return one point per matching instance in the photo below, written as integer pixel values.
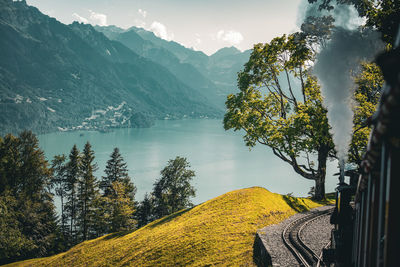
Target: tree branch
(293, 162)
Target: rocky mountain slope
(213, 76)
(55, 76)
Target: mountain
(215, 75)
(187, 73)
(59, 77)
(224, 66)
(220, 231)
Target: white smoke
(334, 67)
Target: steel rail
(292, 240)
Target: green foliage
(59, 170)
(73, 174)
(317, 30)
(366, 97)
(116, 171)
(145, 210)
(117, 204)
(28, 220)
(13, 243)
(279, 105)
(121, 208)
(383, 15)
(172, 192)
(87, 194)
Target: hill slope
(219, 231)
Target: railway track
(291, 236)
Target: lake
(219, 158)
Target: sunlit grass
(220, 231)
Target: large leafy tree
(384, 15)
(172, 192)
(279, 105)
(369, 83)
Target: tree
(368, 91)
(279, 105)
(117, 204)
(72, 178)
(28, 212)
(384, 15)
(116, 171)
(121, 208)
(87, 193)
(13, 243)
(59, 169)
(145, 210)
(172, 192)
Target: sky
(205, 25)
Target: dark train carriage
(377, 210)
(371, 234)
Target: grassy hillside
(219, 231)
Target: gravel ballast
(316, 235)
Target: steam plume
(348, 46)
(333, 68)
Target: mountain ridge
(221, 68)
(54, 75)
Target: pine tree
(72, 178)
(118, 200)
(145, 209)
(116, 171)
(88, 192)
(25, 192)
(122, 208)
(59, 169)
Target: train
(366, 217)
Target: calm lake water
(219, 158)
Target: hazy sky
(205, 25)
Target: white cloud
(98, 18)
(232, 37)
(142, 12)
(197, 40)
(140, 23)
(161, 31)
(80, 18)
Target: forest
(89, 206)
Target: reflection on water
(220, 159)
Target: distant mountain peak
(227, 51)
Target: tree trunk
(319, 193)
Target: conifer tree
(59, 169)
(122, 208)
(29, 213)
(116, 171)
(88, 192)
(118, 200)
(72, 178)
(144, 212)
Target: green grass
(220, 231)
